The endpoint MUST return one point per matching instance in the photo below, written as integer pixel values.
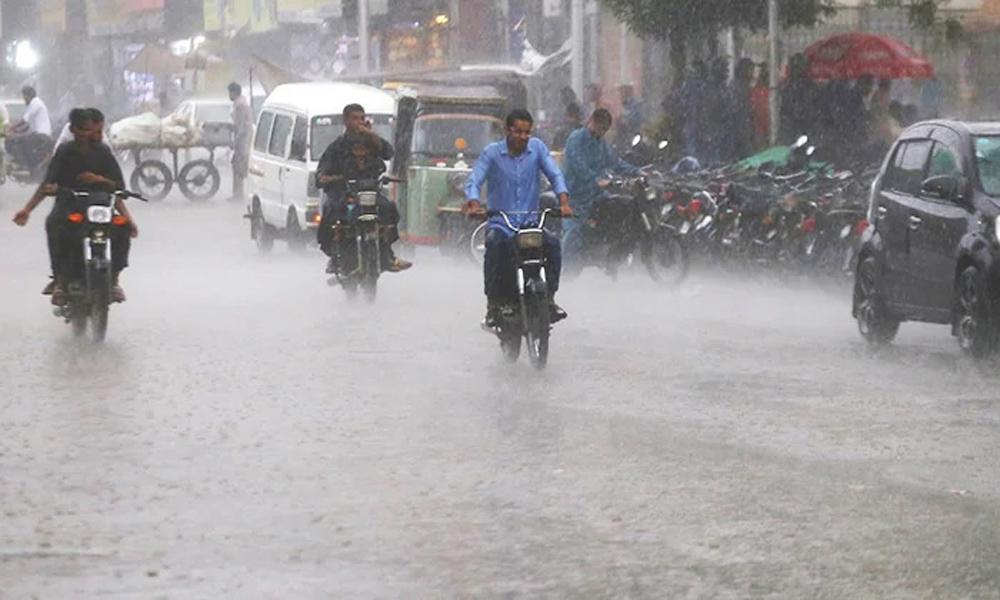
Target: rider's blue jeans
(498, 263)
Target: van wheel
(875, 323)
(294, 234)
(260, 231)
(974, 327)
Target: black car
(931, 252)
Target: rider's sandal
(58, 296)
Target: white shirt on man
(36, 115)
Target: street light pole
(774, 102)
(576, 35)
(363, 41)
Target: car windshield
(327, 128)
(988, 163)
(447, 135)
(213, 113)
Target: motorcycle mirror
(636, 140)
(663, 144)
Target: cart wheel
(152, 179)
(199, 180)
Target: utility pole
(505, 29)
(576, 35)
(363, 41)
(774, 104)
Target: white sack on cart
(140, 130)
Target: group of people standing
(718, 112)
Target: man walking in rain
(242, 136)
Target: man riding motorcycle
(29, 138)
(588, 160)
(83, 164)
(359, 154)
(511, 169)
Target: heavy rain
(739, 330)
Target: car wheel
(974, 328)
(876, 324)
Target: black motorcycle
(357, 239)
(625, 226)
(94, 223)
(527, 315)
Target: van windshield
(327, 128)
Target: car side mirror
(944, 187)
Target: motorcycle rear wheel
(510, 346)
(79, 323)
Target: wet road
(245, 432)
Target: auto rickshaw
(443, 130)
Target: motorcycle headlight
(530, 240)
(99, 214)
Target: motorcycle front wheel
(100, 302)
(665, 259)
(535, 310)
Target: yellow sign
(52, 14)
(240, 16)
(309, 11)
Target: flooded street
(247, 432)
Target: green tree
(682, 21)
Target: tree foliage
(660, 19)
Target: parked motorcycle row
(781, 212)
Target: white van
(296, 124)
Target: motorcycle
(358, 239)
(90, 277)
(528, 316)
(38, 150)
(626, 225)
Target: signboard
(232, 16)
(52, 15)
(309, 11)
(117, 17)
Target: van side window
(263, 131)
(279, 135)
(298, 151)
(906, 172)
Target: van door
(296, 178)
(262, 174)
(277, 152)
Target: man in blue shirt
(588, 160)
(511, 170)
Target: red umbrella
(851, 55)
